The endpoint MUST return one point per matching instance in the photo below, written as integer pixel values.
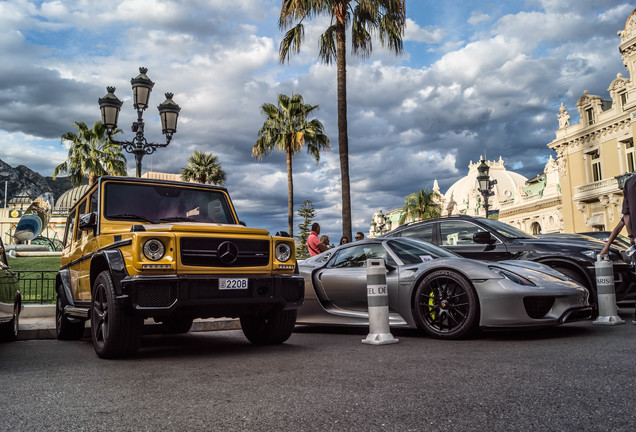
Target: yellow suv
(141, 248)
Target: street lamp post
(139, 146)
(485, 184)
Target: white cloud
(408, 125)
(428, 34)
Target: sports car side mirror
(483, 237)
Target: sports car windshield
(505, 229)
(159, 203)
(414, 251)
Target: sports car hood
(522, 266)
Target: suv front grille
(220, 252)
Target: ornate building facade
(579, 191)
(595, 154)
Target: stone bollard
(606, 296)
(378, 298)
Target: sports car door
(344, 280)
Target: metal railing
(37, 287)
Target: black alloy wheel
(446, 305)
(114, 332)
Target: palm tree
(386, 18)
(286, 129)
(421, 205)
(204, 168)
(91, 154)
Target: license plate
(232, 283)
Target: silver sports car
(437, 291)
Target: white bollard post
(606, 296)
(378, 298)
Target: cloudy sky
(476, 77)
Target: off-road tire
(115, 333)
(176, 325)
(272, 328)
(66, 328)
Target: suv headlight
(283, 252)
(154, 249)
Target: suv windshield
(505, 229)
(159, 203)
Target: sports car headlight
(154, 249)
(283, 252)
(512, 277)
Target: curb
(44, 328)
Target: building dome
(69, 198)
(463, 196)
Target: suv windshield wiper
(177, 219)
(130, 216)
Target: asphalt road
(577, 377)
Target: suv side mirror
(88, 221)
(483, 237)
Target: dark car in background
(10, 299)
(492, 240)
(621, 241)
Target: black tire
(446, 305)
(272, 328)
(66, 328)
(176, 325)
(9, 330)
(578, 277)
(115, 333)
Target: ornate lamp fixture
(168, 111)
(485, 184)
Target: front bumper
(199, 295)
(504, 304)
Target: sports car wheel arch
(445, 305)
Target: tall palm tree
(421, 205)
(386, 18)
(91, 154)
(286, 129)
(204, 168)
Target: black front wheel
(272, 328)
(115, 333)
(9, 330)
(446, 305)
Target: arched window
(536, 228)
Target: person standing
(344, 240)
(629, 213)
(359, 236)
(314, 245)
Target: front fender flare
(113, 261)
